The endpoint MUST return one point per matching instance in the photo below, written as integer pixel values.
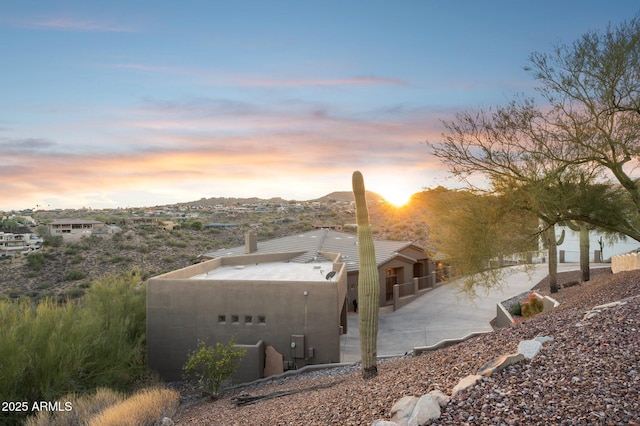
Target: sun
(395, 196)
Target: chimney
(250, 242)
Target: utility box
(297, 345)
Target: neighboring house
(569, 250)
(404, 268)
(22, 241)
(75, 229)
(287, 309)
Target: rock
(609, 305)
(426, 409)
(529, 348)
(166, 421)
(403, 409)
(441, 398)
(465, 383)
(544, 339)
(383, 423)
(591, 314)
(501, 362)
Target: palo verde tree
(585, 136)
(368, 283)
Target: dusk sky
(142, 103)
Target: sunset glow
(122, 104)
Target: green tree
(556, 160)
(212, 365)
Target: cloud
(217, 78)
(261, 82)
(73, 24)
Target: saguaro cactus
(368, 283)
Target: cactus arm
(368, 282)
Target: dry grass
(145, 407)
(82, 409)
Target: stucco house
(75, 229)
(286, 296)
(405, 269)
(287, 313)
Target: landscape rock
(529, 348)
(383, 423)
(166, 421)
(499, 363)
(440, 397)
(609, 305)
(403, 409)
(465, 383)
(426, 409)
(544, 339)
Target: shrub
(213, 365)
(35, 261)
(516, 309)
(74, 275)
(532, 306)
(50, 349)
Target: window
(235, 319)
(262, 320)
(222, 319)
(248, 319)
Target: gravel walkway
(588, 375)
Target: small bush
(36, 261)
(516, 309)
(213, 365)
(74, 275)
(532, 306)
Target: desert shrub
(119, 259)
(74, 293)
(83, 408)
(54, 241)
(532, 306)
(50, 349)
(74, 275)
(145, 407)
(36, 261)
(212, 365)
(516, 309)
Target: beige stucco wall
(181, 311)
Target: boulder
(382, 422)
(440, 397)
(403, 409)
(465, 383)
(501, 362)
(529, 348)
(426, 410)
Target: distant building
(21, 241)
(75, 229)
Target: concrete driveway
(442, 314)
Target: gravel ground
(587, 375)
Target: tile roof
(321, 240)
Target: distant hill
(347, 196)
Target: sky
(141, 103)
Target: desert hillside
(587, 375)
